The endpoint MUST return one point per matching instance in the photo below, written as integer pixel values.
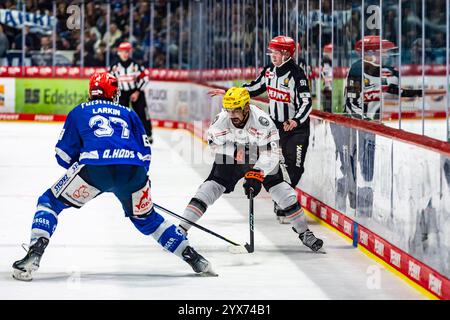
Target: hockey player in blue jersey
(104, 148)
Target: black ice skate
(198, 263)
(310, 240)
(30, 263)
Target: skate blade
(209, 272)
(22, 275)
(320, 251)
(318, 247)
(237, 249)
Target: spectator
(416, 52)
(122, 16)
(113, 34)
(89, 59)
(30, 40)
(91, 41)
(100, 55)
(159, 60)
(4, 46)
(125, 37)
(63, 44)
(100, 22)
(46, 46)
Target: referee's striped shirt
(131, 75)
(288, 92)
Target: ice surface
(96, 253)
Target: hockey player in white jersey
(290, 105)
(104, 148)
(246, 145)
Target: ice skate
(30, 263)
(310, 240)
(198, 263)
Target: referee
(132, 80)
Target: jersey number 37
(104, 126)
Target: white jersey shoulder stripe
(63, 155)
(89, 155)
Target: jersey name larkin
(278, 95)
(106, 110)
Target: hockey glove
(253, 181)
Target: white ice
(96, 253)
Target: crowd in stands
(227, 41)
(97, 37)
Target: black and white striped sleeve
(257, 86)
(352, 92)
(143, 78)
(302, 97)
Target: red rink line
(32, 117)
(413, 269)
(62, 117)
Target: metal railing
(225, 34)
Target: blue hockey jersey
(101, 132)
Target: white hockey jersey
(256, 143)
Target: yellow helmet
(236, 98)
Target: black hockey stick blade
(250, 248)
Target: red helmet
(282, 43)
(372, 43)
(328, 48)
(104, 85)
(124, 46)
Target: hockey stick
(251, 219)
(249, 247)
(237, 248)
